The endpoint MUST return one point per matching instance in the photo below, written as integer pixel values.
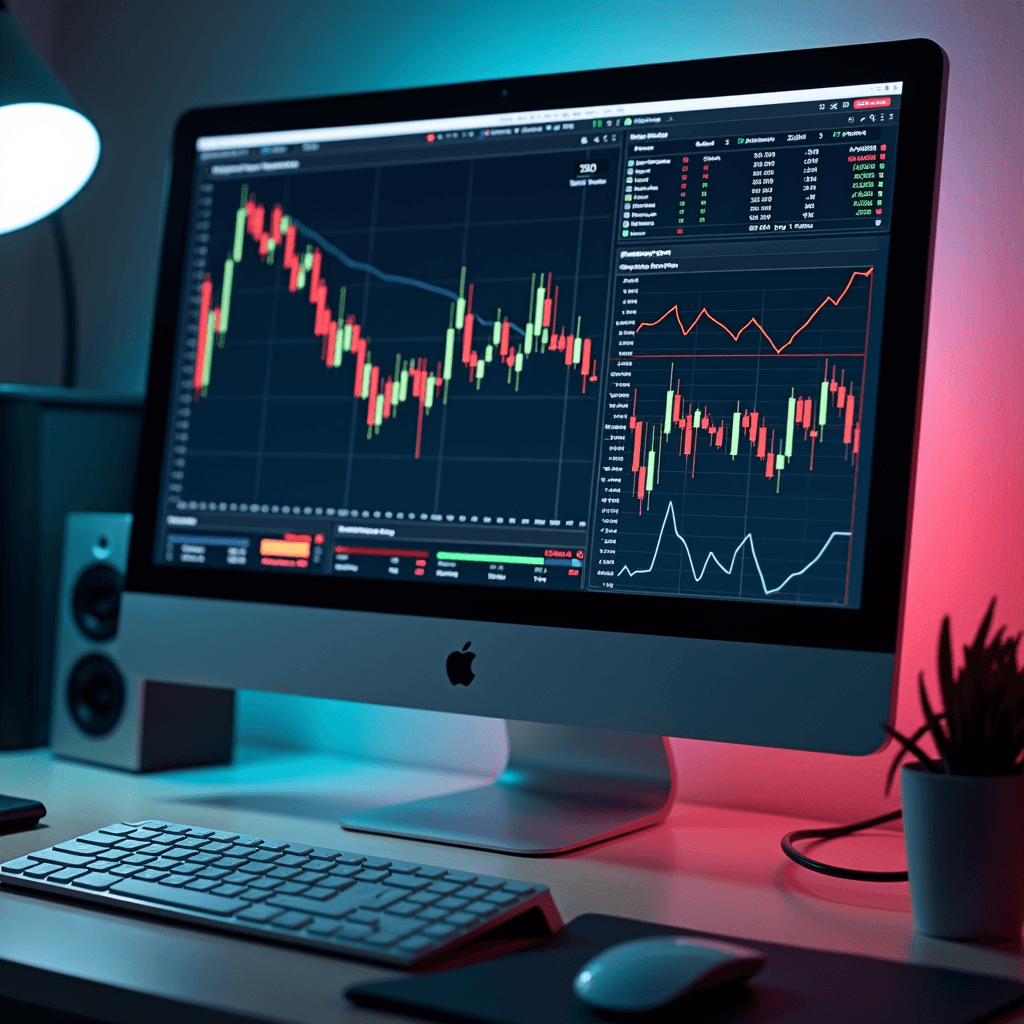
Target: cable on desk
(837, 833)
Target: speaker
(99, 713)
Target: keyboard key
(408, 882)
(310, 877)
(406, 909)
(228, 890)
(274, 844)
(382, 938)
(224, 837)
(291, 888)
(336, 884)
(186, 869)
(452, 903)
(319, 865)
(471, 892)
(290, 860)
(481, 909)
(376, 862)
(264, 856)
(317, 893)
(214, 848)
(201, 884)
(112, 855)
(65, 875)
(404, 867)
(424, 899)
(285, 874)
(252, 895)
(41, 870)
(117, 830)
(371, 876)
(192, 843)
(237, 878)
(292, 921)
(142, 833)
(238, 851)
(431, 913)
(97, 880)
(214, 873)
(80, 849)
(299, 849)
(149, 875)
(228, 862)
(432, 873)
(266, 883)
(350, 858)
(363, 917)
(322, 853)
(352, 932)
(177, 854)
(383, 898)
(346, 870)
(134, 845)
(489, 882)
(398, 927)
(101, 839)
(438, 931)
(255, 869)
(204, 902)
(165, 839)
(153, 824)
(520, 887)
(154, 850)
(69, 860)
(202, 833)
(137, 858)
(259, 914)
(459, 876)
(177, 830)
(337, 906)
(203, 858)
(175, 881)
(14, 867)
(461, 918)
(127, 870)
(415, 943)
(503, 899)
(444, 888)
(323, 926)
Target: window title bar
(210, 143)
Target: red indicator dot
(679, 231)
(318, 539)
(430, 136)
(417, 572)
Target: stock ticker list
(627, 354)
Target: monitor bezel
(922, 67)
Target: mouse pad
(796, 986)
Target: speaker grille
(96, 601)
(96, 693)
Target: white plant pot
(964, 836)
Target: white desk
(706, 868)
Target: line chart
(753, 321)
(712, 557)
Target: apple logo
(459, 666)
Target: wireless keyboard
(392, 912)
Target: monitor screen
(628, 348)
(612, 375)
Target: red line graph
(753, 321)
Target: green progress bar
(464, 556)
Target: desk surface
(706, 868)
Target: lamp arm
(67, 286)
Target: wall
(135, 67)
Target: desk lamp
(48, 152)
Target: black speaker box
(60, 449)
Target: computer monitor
(609, 379)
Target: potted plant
(963, 806)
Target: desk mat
(796, 986)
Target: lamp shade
(48, 149)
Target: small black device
(18, 815)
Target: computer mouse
(648, 974)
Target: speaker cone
(96, 601)
(96, 694)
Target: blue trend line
(368, 268)
(712, 557)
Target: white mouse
(646, 974)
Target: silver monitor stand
(564, 787)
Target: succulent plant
(980, 728)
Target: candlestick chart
(401, 338)
(741, 425)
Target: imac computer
(587, 401)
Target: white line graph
(712, 557)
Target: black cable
(67, 287)
(837, 833)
